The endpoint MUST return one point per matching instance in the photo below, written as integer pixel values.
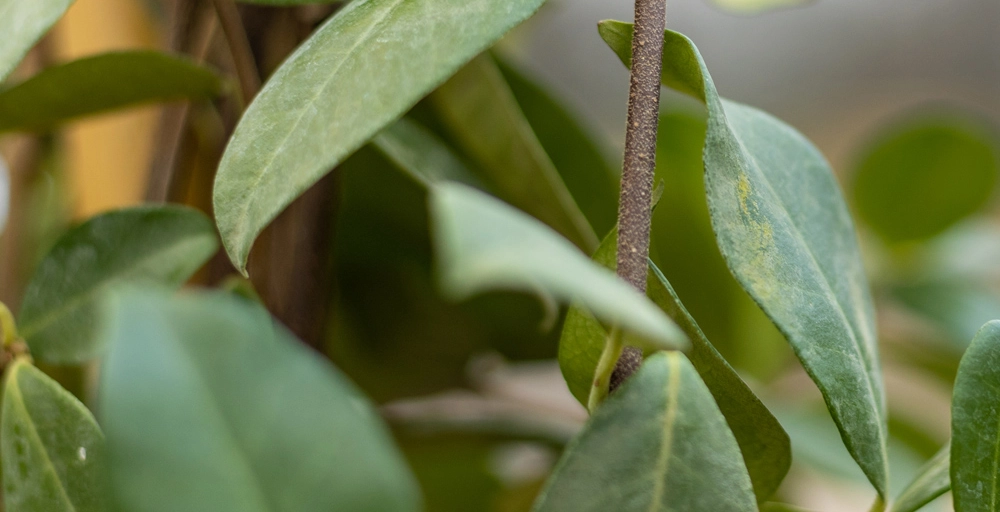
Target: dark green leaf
(160, 244)
(657, 444)
(52, 449)
(933, 481)
(22, 25)
(480, 111)
(208, 406)
(483, 244)
(357, 74)
(785, 232)
(764, 444)
(581, 161)
(101, 83)
(921, 176)
(975, 435)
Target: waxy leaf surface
(358, 73)
(51, 447)
(765, 445)
(482, 114)
(209, 406)
(657, 444)
(147, 244)
(484, 244)
(22, 25)
(975, 425)
(783, 227)
(104, 82)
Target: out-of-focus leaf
(975, 414)
(786, 234)
(4, 194)
(483, 244)
(751, 7)
(921, 176)
(101, 83)
(358, 73)
(208, 406)
(960, 308)
(420, 154)
(659, 443)
(283, 3)
(158, 244)
(580, 160)
(764, 444)
(480, 112)
(22, 25)
(933, 481)
(52, 449)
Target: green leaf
(101, 83)
(420, 154)
(657, 444)
(159, 244)
(751, 7)
(481, 113)
(921, 176)
(765, 445)
(208, 406)
(484, 244)
(53, 450)
(933, 481)
(580, 160)
(358, 73)
(785, 232)
(22, 25)
(975, 435)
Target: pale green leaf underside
(420, 154)
(481, 113)
(210, 407)
(357, 74)
(657, 444)
(763, 442)
(483, 244)
(22, 24)
(51, 447)
(146, 244)
(783, 227)
(975, 425)
(101, 83)
(932, 481)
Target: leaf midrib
(667, 435)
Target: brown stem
(239, 47)
(634, 211)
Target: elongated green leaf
(480, 111)
(923, 175)
(765, 445)
(975, 416)
(101, 83)
(657, 444)
(582, 162)
(52, 449)
(22, 25)
(933, 481)
(160, 244)
(483, 244)
(750, 7)
(420, 154)
(357, 74)
(785, 232)
(208, 406)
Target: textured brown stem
(634, 210)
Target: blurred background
(900, 95)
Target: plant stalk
(634, 210)
(239, 47)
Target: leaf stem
(634, 210)
(239, 47)
(600, 386)
(7, 325)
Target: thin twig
(634, 211)
(239, 47)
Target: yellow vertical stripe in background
(108, 156)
